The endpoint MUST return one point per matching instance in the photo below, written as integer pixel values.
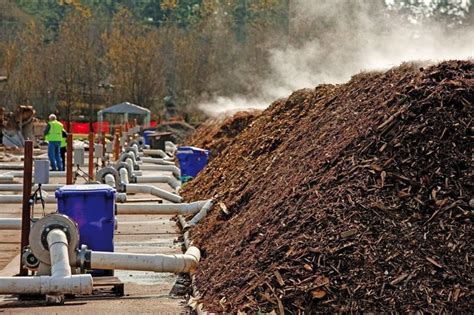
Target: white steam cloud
(331, 40)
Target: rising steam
(331, 40)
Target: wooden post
(91, 156)
(26, 207)
(116, 146)
(69, 160)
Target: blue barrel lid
(88, 189)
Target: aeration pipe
(120, 197)
(20, 174)
(181, 208)
(59, 283)
(10, 223)
(170, 168)
(186, 262)
(173, 182)
(152, 190)
(157, 152)
(156, 161)
(19, 187)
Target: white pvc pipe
(48, 198)
(51, 174)
(152, 190)
(19, 198)
(186, 262)
(19, 187)
(173, 182)
(10, 224)
(59, 283)
(171, 168)
(76, 284)
(180, 208)
(129, 162)
(156, 161)
(58, 250)
(110, 180)
(201, 214)
(7, 177)
(124, 175)
(156, 152)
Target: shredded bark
(355, 197)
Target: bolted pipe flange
(100, 176)
(43, 226)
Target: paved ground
(145, 292)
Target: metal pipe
(91, 156)
(171, 168)
(10, 223)
(181, 208)
(152, 190)
(26, 207)
(186, 262)
(69, 142)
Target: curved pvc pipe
(129, 162)
(171, 168)
(201, 214)
(124, 175)
(173, 182)
(58, 250)
(186, 262)
(181, 208)
(59, 283)
(152, 190)
(10, 224)
(109, 180)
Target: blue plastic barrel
(92, 207)
(191, 160)
(146, 136)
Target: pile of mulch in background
(215, 134)
(180, 130)
(357, 197)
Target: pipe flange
(121, 165)
(40, 230)
(105, 171)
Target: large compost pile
(215, 134)
(357, 197)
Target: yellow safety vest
(55, 132)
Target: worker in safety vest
(54, 134)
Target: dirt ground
(145, 292)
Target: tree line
(73, 56)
